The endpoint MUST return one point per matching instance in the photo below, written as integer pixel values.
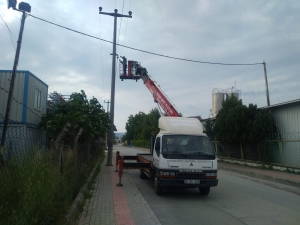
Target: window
(187, 145)
(157, 146)
(37, 99)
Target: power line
(120, 23)
(10, 33)
(152, 53)
(125, 29)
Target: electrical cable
(120, 24)
(125, 30)
(10, 33)
(152, 53)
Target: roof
(281, 104)
(25, 71)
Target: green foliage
(209, 129)
(35, 192)
(80, 112)
(142, 143)
(142, 126)
(261, 126)
(237, 123)
(231, 121)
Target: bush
(37, 191)
(142, 143)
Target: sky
(219, 31)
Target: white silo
(217, 100)
(233, 92)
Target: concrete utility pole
(107, 105)
(112, 98)
(267, 88)
(106, 141)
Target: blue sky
(214, 31)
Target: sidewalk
(113, 205)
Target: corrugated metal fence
(281, 149)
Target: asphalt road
(238, 199)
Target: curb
(73, 209)
(276, 167)
(262, 176)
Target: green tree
(237, 123)
(80, 112)
(142, 126)
(209, 129)
(231, 121)
(262, 126)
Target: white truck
(181, 156)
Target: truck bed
(147, 158)
(143, 161)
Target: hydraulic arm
(136, 71)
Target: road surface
(237, 199)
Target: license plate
(192, 181)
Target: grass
(34, 191)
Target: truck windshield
(187, 146)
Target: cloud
(216, 31)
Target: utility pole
(112, 95)
(107, 105)
(267, 88)
(106, 132)
(22, 8)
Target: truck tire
(142, 174)
(157, 188)
(204, 191)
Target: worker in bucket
(124, 62)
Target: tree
(231, 121)
(262, 126)
(237, 123)
(209, 129)
(81, 113)
(142, 126)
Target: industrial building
(29, 103)
(29, 97)
(287, 119)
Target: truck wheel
(204, 191)
(157, 188)
(142, 174)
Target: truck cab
(183, 156)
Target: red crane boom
(136, 72)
